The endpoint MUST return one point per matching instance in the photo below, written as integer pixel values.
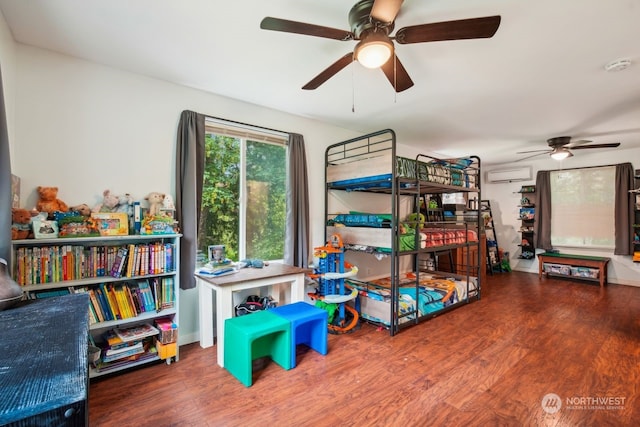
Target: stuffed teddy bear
(21, 224)
(48, 201)
(155, 200)
(109, 203)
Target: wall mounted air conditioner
(522, 173)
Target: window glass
(582, 207)
(244, 196)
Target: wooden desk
(44, 377)
(599, 263)
(288, 283)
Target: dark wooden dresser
(44, 378)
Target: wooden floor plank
(490, 362)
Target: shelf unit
(50, 267)
(527, 218)
(636, 230)
(636, 217)
(400, 194)
(494, 261)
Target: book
(124, 348)
(118, 262)
(112, 306)
(136, 332)
(123, 353)
(123, 305)
(104, 304)
(147, 293)
(96, 305)
(137, 217)
(130, 260)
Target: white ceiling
(541, 75)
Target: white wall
(505, 200)
(84, 128)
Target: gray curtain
(189, 176)
(542, 223)
(296, 247)
(5, 182)
(624, 210)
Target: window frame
(245, 133)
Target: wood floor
(488, 363)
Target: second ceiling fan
(372, 22)
(560, 146)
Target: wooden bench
(599, 263)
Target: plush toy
(48, 201)
(168, 203)
(125, 204)
(109, 203)
(155, 200)
(82, 209)
(21, 224)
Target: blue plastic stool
(308, 326)
(253, 336)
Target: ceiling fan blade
(329, 72)
(277, 24)
(573, 144)
(531, 156)
(609, 145)
(386, 10)
(534, 151)
(474, 28)
(397, 75)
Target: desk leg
(540, 267)
(297, 289)
(224, 310)
(205, 314)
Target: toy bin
(592, 273)
(168, 331)
(557, 269)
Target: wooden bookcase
(52, 267)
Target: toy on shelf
(21, 224)
(48, 201)
(332, 294)
(155, 200)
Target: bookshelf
(132, 282)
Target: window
(244, 191)
(582, 212)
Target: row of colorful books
(140, 260)
(57, 263)
(116, 301)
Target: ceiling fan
(560, 146)
(372, 22)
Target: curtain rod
(586, 167)
(247, 125)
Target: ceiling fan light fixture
(560, 154)
(374, 50)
